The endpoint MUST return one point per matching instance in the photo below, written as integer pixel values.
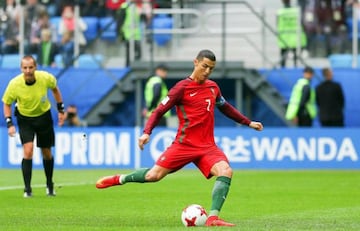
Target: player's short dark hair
(206, 54)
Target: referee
(32, 110)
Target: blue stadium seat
(162, 21)
(92, 27)
(59, 61)
(10, 61)
(93, 61)
(340, 60)
(110, 33)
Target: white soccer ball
(193, 215)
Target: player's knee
(227, 171)
(222, 169)
(153, 176)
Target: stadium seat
(59, 61)
(340, 60)
(92, 27)
(90, 61)
(162, 21)
(10, 61)
(110, 33)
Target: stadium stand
(162, 21)
(340, 60)
(92, 27)
(55, 23)
(10, 61)
(90, 61)
(110, 33)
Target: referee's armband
(60, 107)
(9, 122)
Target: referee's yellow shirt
(31, 100)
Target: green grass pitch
(258, 200)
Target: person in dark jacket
(330, 101)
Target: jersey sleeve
(230, 111)
(9, 97)
(50, 79)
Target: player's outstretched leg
(108, 181)
(216, 221)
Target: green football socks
(137, 176)
(219, 193)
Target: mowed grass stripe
(258, 200)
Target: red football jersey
(195, 104)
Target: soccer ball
(193, 215)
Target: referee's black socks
(26, 167)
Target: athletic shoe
(50, 191)
(216, 221)
(108, 181)
(27, 193)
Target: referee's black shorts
(42, 126)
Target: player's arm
(231, 112)
(166, 104)
(60, 105)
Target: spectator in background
(340, 41)
(42, 22)
(94, 8)
(330, 101)
(67, 48)
(51, 6)
(129, 28)
(155, 91)
(112, 6)
(67, 23)
(32, 10)
(290, 36)
(310, 23)
(302, 106)
(331, 16)
(12, 9)
(324, 23)
(163, 4)
(47, 49)
(10, 33)
(72, 118)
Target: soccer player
(29, 91)
(195, 98)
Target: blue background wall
(273, 148)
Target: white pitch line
(58, 185)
